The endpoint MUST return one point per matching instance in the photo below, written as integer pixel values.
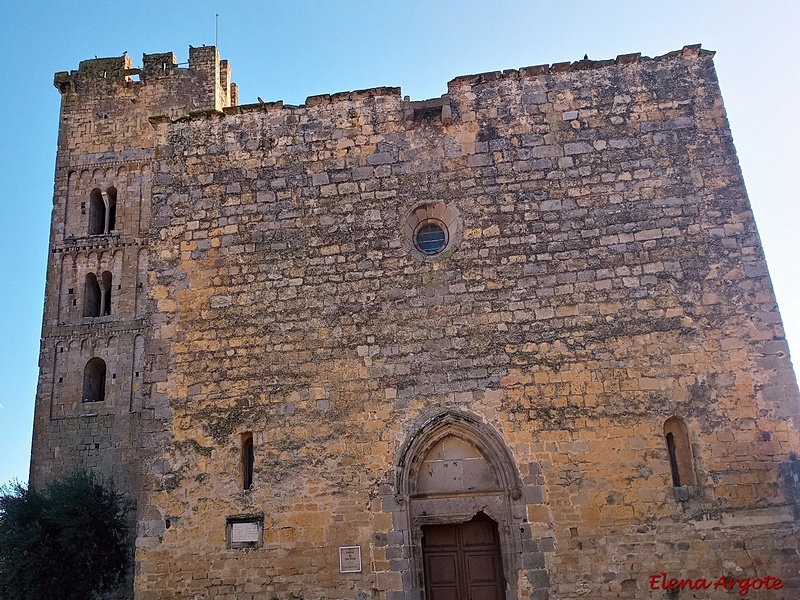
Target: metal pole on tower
(216, 31)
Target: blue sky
(290, 50)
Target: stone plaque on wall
(244, 531)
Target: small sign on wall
(244, 531)
(350, 559)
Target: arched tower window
(248, 460)
(94, 381)
(105, 292)
(97, 213)
(91, 296)
(102, 211)
(681, 461)
(111, 193)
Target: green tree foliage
(69, 541)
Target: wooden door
(463, 561)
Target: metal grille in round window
(431, 237)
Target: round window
(431, 230)
(430, 237)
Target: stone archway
(453, 467)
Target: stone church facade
(519, 341)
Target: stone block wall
(596, 353)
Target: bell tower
(91, 404)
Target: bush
(68, 542)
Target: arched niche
(94, 381)
(448, 433)
(452, 467)
(679, 451)
(58, 385)
(140, 291)
(67, 297)
(137, 372)
(69, 204)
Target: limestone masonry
(515, 342)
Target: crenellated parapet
(106, 102)
(206, 79)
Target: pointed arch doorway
(461, 496)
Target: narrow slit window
(673, 460)
(679, 449)
(248, 460)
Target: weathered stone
(260, 286)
